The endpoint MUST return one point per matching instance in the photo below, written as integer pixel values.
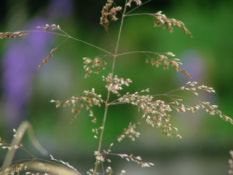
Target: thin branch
(136, 52)
(140, 14)
(70, 37)
(137, 7)
(120, 30)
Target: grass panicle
(155, 110)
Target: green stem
(140, 14)
(136, 52)
(108, 95)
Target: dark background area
(26, 91)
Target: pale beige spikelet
(104, 17)
(138, 2)
(136, 159)
(167, 59)
(114, 84)
(88, 100)
(12, 34)
(51, 27)
(93, 65)
(161, 20)
(109, 14)
(129, 132)
(48, 57)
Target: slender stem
(140, 14)
(108, 95)
(89, 44)
(70, 37)
(119, 34)
(136, 52)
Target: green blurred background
(27, 91)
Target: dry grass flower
(109, 14)
(13, 34)
(48, 57)
(167, 60)
(93, 65)
(131, 157)
(161, 20)
(114, 84)
(88, 100)
(51, 27)
(138, 2)
(129, 132)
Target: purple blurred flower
(19, 62)
(193, 64)
(21, 59)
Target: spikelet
(108, 14)
(114, 84)
(161, 20)
(87, 101)
(136, 159)
(48, 57)
(93, 65)
(166, 60)
(129, 132)
(51, 27)
(138, 2)
(12, 34)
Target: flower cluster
(114, 84)
(131, 157)
(206, 106)
(178, 106)
(109, 171)
(96, 131)
(161, 20)
(136, 159)
(129, 132)
(99, 156)
(12, 34)
(166, 60)
(156, 112)
(193, 88)
(89, 64)
(51, 27)
(138, 2)
(15, 169)
(89, 100)
(7, 146)
(109, 14)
